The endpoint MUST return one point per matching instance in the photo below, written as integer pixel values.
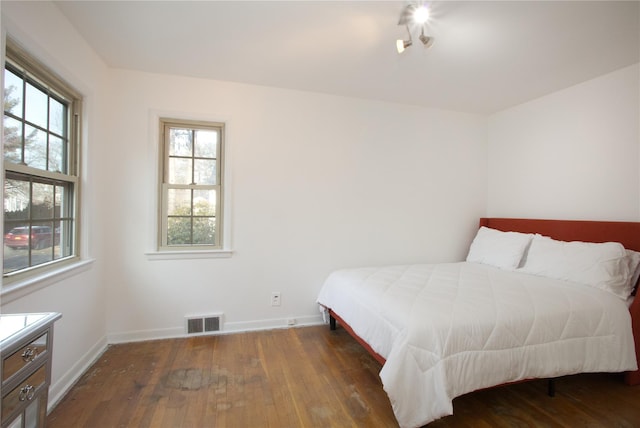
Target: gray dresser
(26, 344)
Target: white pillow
(634, 269)
(500, 249)
(601, 265)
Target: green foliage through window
(192, 184)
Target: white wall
(574, 154)
(318, 183)
(81, 332)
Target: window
(191, 185)
(41, 117)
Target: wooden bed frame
(627, 233)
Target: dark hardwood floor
(304, 377)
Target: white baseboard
(228, 328)
(142, 335)
(238, 327)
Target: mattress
(449, 329)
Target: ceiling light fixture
(414, 15)
(401, 44)
(427, 41)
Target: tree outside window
(191, 184)
(40, 182)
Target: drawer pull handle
(29, 354)
(26, 393)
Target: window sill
(16, 290)
(188, 254)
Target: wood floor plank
(304, 377)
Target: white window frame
(35, 71)
(219, 247)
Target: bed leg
(551, 387)
(332, 322)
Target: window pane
(204, 231)
(56, 154)
(18, 237)
(204, 202)
(206, 143)
(179, 202)
(180, 171)
(42, 201)
(62, 237)
(12, 93)
(16, 247)
(15, 259)
(36, 106)
(16, 200)
(179, 231)
(60, 203)
(57, 227)
(41, 240)
(180, 143)
(205, 171)
(56, 116)
(12, 140)
(35, 149)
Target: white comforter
(449, 329)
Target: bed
(535, 299)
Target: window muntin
(191, 192)
(40, 143)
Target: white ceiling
(487, 56)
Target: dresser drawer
(23, 356)
(23, 394)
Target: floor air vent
(203, 324)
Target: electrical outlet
(275, 298)
(291, 321)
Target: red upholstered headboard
(627, 233)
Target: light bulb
(401, 45)
(421, 15)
